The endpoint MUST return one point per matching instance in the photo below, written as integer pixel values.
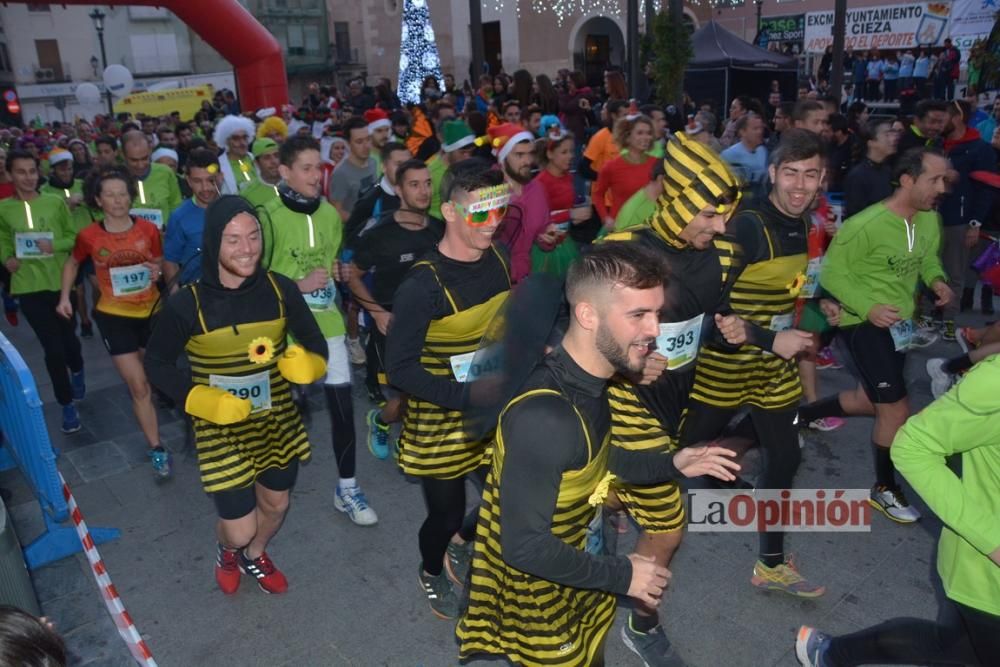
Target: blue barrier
(27, 445)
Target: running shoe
(784, 578)
(948, 330)
(926, 322)
(86, 330)
(227, 569)
(941, 380)
(457, 560)
(924, 337)
(892, 503)
(355, 351)
(652, 647)
(378, 435)
(811, 646)
(269, 578)
(351, 501)
(160, 458)
(71, 419)
(826, 424)
(440, 594)
(967, 339)
(826, 361)
(79, 384)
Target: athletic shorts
(237, 503)
(338, 365)
(872, 358)
(86, 269)
(122, 335)
(657, 508)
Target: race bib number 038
(322, 298)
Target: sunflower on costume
(261, 350)
(796, 285)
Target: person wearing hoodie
(302, 240)
(965, 208)
(234, 326)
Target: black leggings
(58, 338)
(961, 636)
(778, 439)
(341, 408)
(446, 515)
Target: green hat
(263, 146)
(457, 134)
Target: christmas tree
(418, 56)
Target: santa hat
(457, 134)
(376, 118)
(57, 156)
(163, 152)
(504, 137)
(266, 113)
(229, 126)
(633, 111)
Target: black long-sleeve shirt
(866, 184)
(178, 321)
(419, 300)
(543, 438)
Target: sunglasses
(481, 218)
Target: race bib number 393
(679, 341)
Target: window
(311, 33)
(296, 40)
(5, 64)
(155, 53)
(342, 39)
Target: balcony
(61, 74)
(345, 56)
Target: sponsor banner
(782, 29)
(780, 510)
(887, 27)
(972, 18)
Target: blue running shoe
(71, 419)
(79, 384)
(160, 459)
(811, 646)
(378, 435)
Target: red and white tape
(126, 628)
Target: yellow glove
(299, 366)
(216, 405)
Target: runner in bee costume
(233, 324)
(441, 311)
(772, 233)
(541, 592)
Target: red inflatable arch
(232, 31)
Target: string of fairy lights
(567, 9)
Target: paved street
(354, 598)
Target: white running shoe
(356, 352)
(352, 502)
(893, 504)
(941, 380)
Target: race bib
(126, 280)
(811, 285)
(322, 298)
(467, 368)
(679, 341)
(255, 388)
(26, 244)
(153, 215)
(902, 335)
(781, 322)
(595, 533)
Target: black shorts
(872, 358)
(122, 335)
(237, 503)
(86, 269)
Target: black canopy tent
(724, 66)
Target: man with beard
(772, 233)
(929, 121)
(265, 153)
(379, 128)
(302, 237)
(233, 135)
(388, 250)
(186, 228)
(440, 313)
(527, 214)
(542, 591)
(872, 269)
(457, 144)
(159, 193)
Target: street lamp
(97, 16)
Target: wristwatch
(975, 224)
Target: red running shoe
(227, 570)
(269, 578)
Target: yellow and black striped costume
(764, 294)
(231, 457)
(433, 442)
(533, 621)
